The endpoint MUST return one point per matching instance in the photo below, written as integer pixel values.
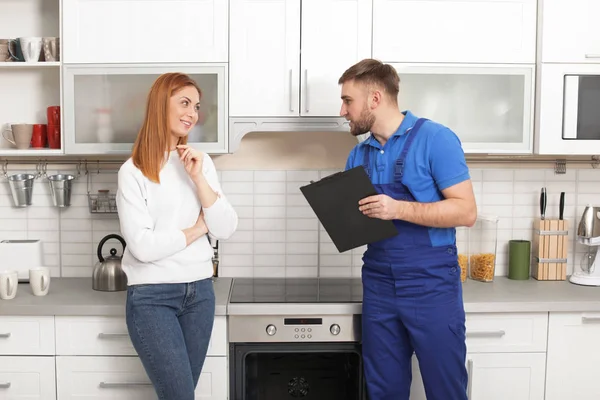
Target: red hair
(154, 136)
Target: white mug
(39, 280)
(9, 281)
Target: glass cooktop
(296, 290)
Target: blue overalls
(412, 302)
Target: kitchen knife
(561, 209)
(543, 201)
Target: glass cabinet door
(105, 106)
(489, 108)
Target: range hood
(240, 126)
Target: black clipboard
(334, 199)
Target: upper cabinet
(489, 107)
(570, 32)
(105, 106)
(455, 31)
(286, 56)
(144, 31)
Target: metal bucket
(60, 189)
(21, 187)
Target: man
(412, 301)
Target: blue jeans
(170, 327)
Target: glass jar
(462, 247)
(483, 244)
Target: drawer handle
(592, 56)
(113, 335)
(4, 335)
(483, 334)
(590, 319)
(5, 385)
(470, 375)
(111, 385)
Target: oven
(299, 354)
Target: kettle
(108, 275)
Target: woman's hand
(200, 224)
(192, 160)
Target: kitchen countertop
(74, 296)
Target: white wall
(278, 233)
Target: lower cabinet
(99, 378)
(26, 377)
(501, 376)
(506, 357)
(573, 356)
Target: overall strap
(412, 133)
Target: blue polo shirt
(435, 161)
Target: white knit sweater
(152, 217)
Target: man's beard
(363, 124)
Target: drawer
(108, 336)
(99, 378)
(27, 378)
(20, 335)
(506, 332)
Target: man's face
(355, 108)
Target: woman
(169, 199)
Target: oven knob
(334, 329)
(271, 330)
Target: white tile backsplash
(278, 234)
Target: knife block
(550, 245)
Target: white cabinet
(568, 118)
(570, 32)
(506, 357)
(29, 88)
(515, 376)
(145, 31)
(489, 107)
(30, 378)
(474, 31)
(125, 378)
(573, 356)
(105, 105)
(108, 336)
(23, 335)
(287, 55)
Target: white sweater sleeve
(220, 218)
(137, 226)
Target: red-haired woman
(168, 200)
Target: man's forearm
(446, 213)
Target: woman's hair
(155, 134)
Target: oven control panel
(330, 328)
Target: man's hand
(379, 206)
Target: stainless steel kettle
(589, 225)
(108, 275)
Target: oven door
(569, 118)
(279, 371)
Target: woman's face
(183, 111)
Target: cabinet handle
(592, 56)
(486, 334)
(306, 88)
(291, 93)
(590, 319)
(112, 385)
(470, 376)
(4, 335)
(113, 335)
(5, 385)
